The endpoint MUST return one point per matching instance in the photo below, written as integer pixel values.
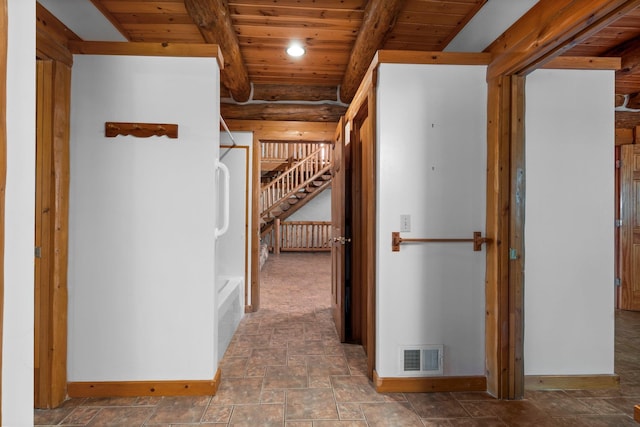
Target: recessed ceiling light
(295, 50)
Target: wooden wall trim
(442, 58)
(571, 382)
(3, 165)
(145, 388)
(148, 49)
(583, 63)
(429, 384)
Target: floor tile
(436, 405)
(355, 389)
(257, 415)
(390, 415)
(129, 416)
(311, 404)
(217, 413)
(238, 391)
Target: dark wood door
(630, 230)
(363, 216)
(338, 233)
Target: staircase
(290, 189)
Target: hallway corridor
(286, 368)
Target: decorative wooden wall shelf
(477, 241)
(140, 130)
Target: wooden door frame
(364, 104)
(53, 191)
(271, 130)
(3, 166)
(546, 31)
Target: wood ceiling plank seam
(297, 13)
(153, 18)
(321, 46)
(309, 4)
(326, 70)
(174, 7)
(295, 23)
(288, 33)
(426, 19)
(442, 7)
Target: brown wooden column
(497, 287)
(505, 226)
(51, 232)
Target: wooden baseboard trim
(429, 384)
(144, 388)
(571, 382)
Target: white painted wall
(17, 351)
(569, 232)
(318, 209)
(232, 249)
(431, 165)
(142, 217)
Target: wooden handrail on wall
(477, 241)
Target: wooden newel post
(276, 236)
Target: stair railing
(299, 236)
(295, 178)
(287, 151)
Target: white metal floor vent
(421, 360)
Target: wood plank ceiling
(261, 81)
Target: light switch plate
(405, 223)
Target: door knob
(341, 240)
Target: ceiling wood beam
(283, 111)
(214, 22)
(379, 19)
(561, 25)
(629, 52)
(285, 130)
(627, 119)
(273, 92)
